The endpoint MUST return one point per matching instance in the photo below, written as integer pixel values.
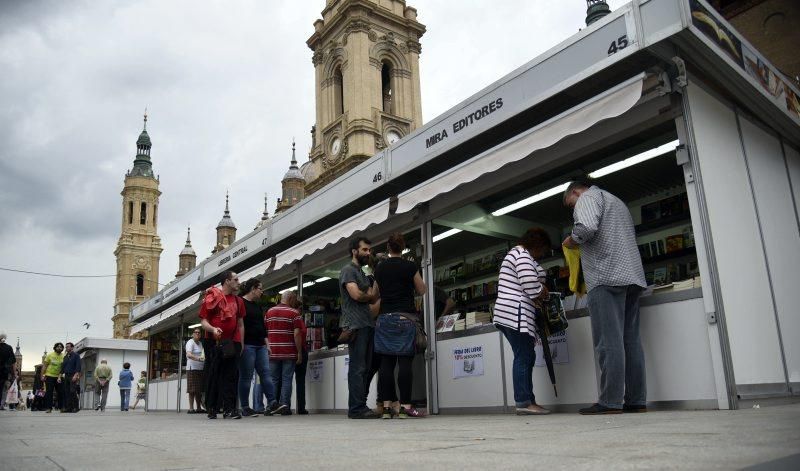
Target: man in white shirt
(195, 360)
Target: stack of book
(475, 319)
(461, 324)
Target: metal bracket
(680, 72)
(682, 154)
(711, 317)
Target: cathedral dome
(293, 172)
(144, 139)
(309, 171)
(188, 251)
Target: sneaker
(212, 416)
(368, 414)
(414, 413)
(403, 414)
(387, 413)
(627, 409)
(597, 409)
(285, 411)
(97, 408)
(278, 409)
(248, 412)
(234, 414)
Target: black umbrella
(551, 314)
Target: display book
(314, 318)
(475, 269)
(665, 259)
(165, 356)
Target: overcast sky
(227, 85)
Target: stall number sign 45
(618, 45)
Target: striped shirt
(521, 281)
(604, 230)
(281, 322)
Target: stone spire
(596, 9)
(226, 229)
(264, 215)
(187, 259)
(142, 166)
(293, 185)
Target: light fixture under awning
(374, 215)
(608, 104)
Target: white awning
(166, 314)
(374, 215)
(608, 104)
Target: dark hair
(225, 276)
(57, 344)
(70, 344)
(574, 185)
(126, 365)
(535, 237)
(355, 243)
(396, 243)
(249, 285)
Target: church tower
(187, 259)
(139, 248)
(226, 230)
(18, 356)
(293, 186)
(366, 61)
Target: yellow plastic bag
(573, 258)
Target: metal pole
(147, 375)
(180, 363)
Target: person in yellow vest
(51, 368)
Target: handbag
(421, 337)
(554, 320)
(228, 348)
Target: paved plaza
(768, 438)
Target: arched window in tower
(130, 212)
(338, 91)
(386, 88)
(155, 214)
(139, 285)
(143, 214)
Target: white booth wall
(754, 231)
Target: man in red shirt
(285, 341)
(221, 316)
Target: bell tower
(139, 248)
(187, 259)
(366, 61)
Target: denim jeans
(614, 314)
(282, 372)
(360, 371)
(523, 346)
(254, 357)
(124, 398)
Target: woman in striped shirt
(521, 282)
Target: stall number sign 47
(618, 45)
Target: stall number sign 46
(618, 45)
(377, 177)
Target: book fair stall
(656, 109)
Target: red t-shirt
(281, 321)
(230, 325)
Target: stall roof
(630, 40)
(87, 343)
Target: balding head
(103, 361)
(289, 298)
(2, 336)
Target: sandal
(191, 411)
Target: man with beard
(358, 327)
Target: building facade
(139, 247)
